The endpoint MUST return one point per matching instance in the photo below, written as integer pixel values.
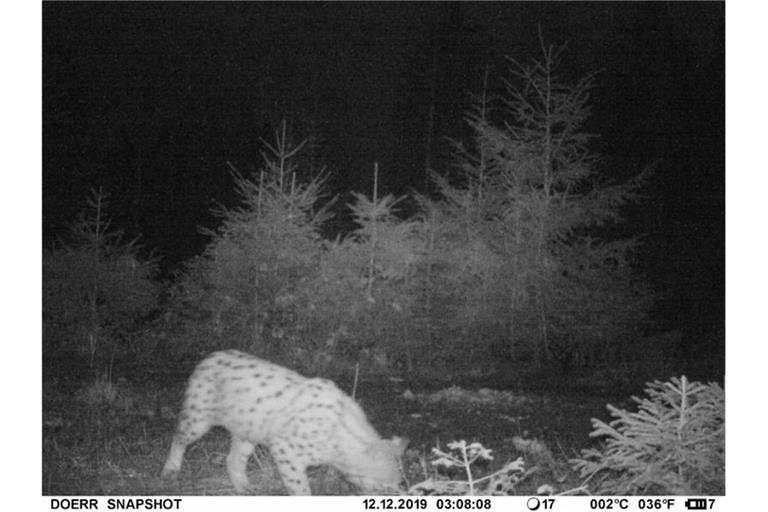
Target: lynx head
(377, 468)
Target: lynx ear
(399, 444)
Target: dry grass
(111, 438)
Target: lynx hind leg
(173, 462)
(237, 461)
(292, 468)
(195, 419)
(191, 428)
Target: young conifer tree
(245, 286)
(543, 200)
(96, 287)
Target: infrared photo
(383, 248)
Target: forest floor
(111, 438)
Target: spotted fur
(304, 422)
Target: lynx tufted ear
(399, 444)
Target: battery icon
(696, 504)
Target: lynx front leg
(291, 467)
(237, 461)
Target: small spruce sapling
(673, 444)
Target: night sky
(150, 101)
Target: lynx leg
(237, 460)
(190, 430)
(291, 468)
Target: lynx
(304, 422)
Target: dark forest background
(148, 109)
